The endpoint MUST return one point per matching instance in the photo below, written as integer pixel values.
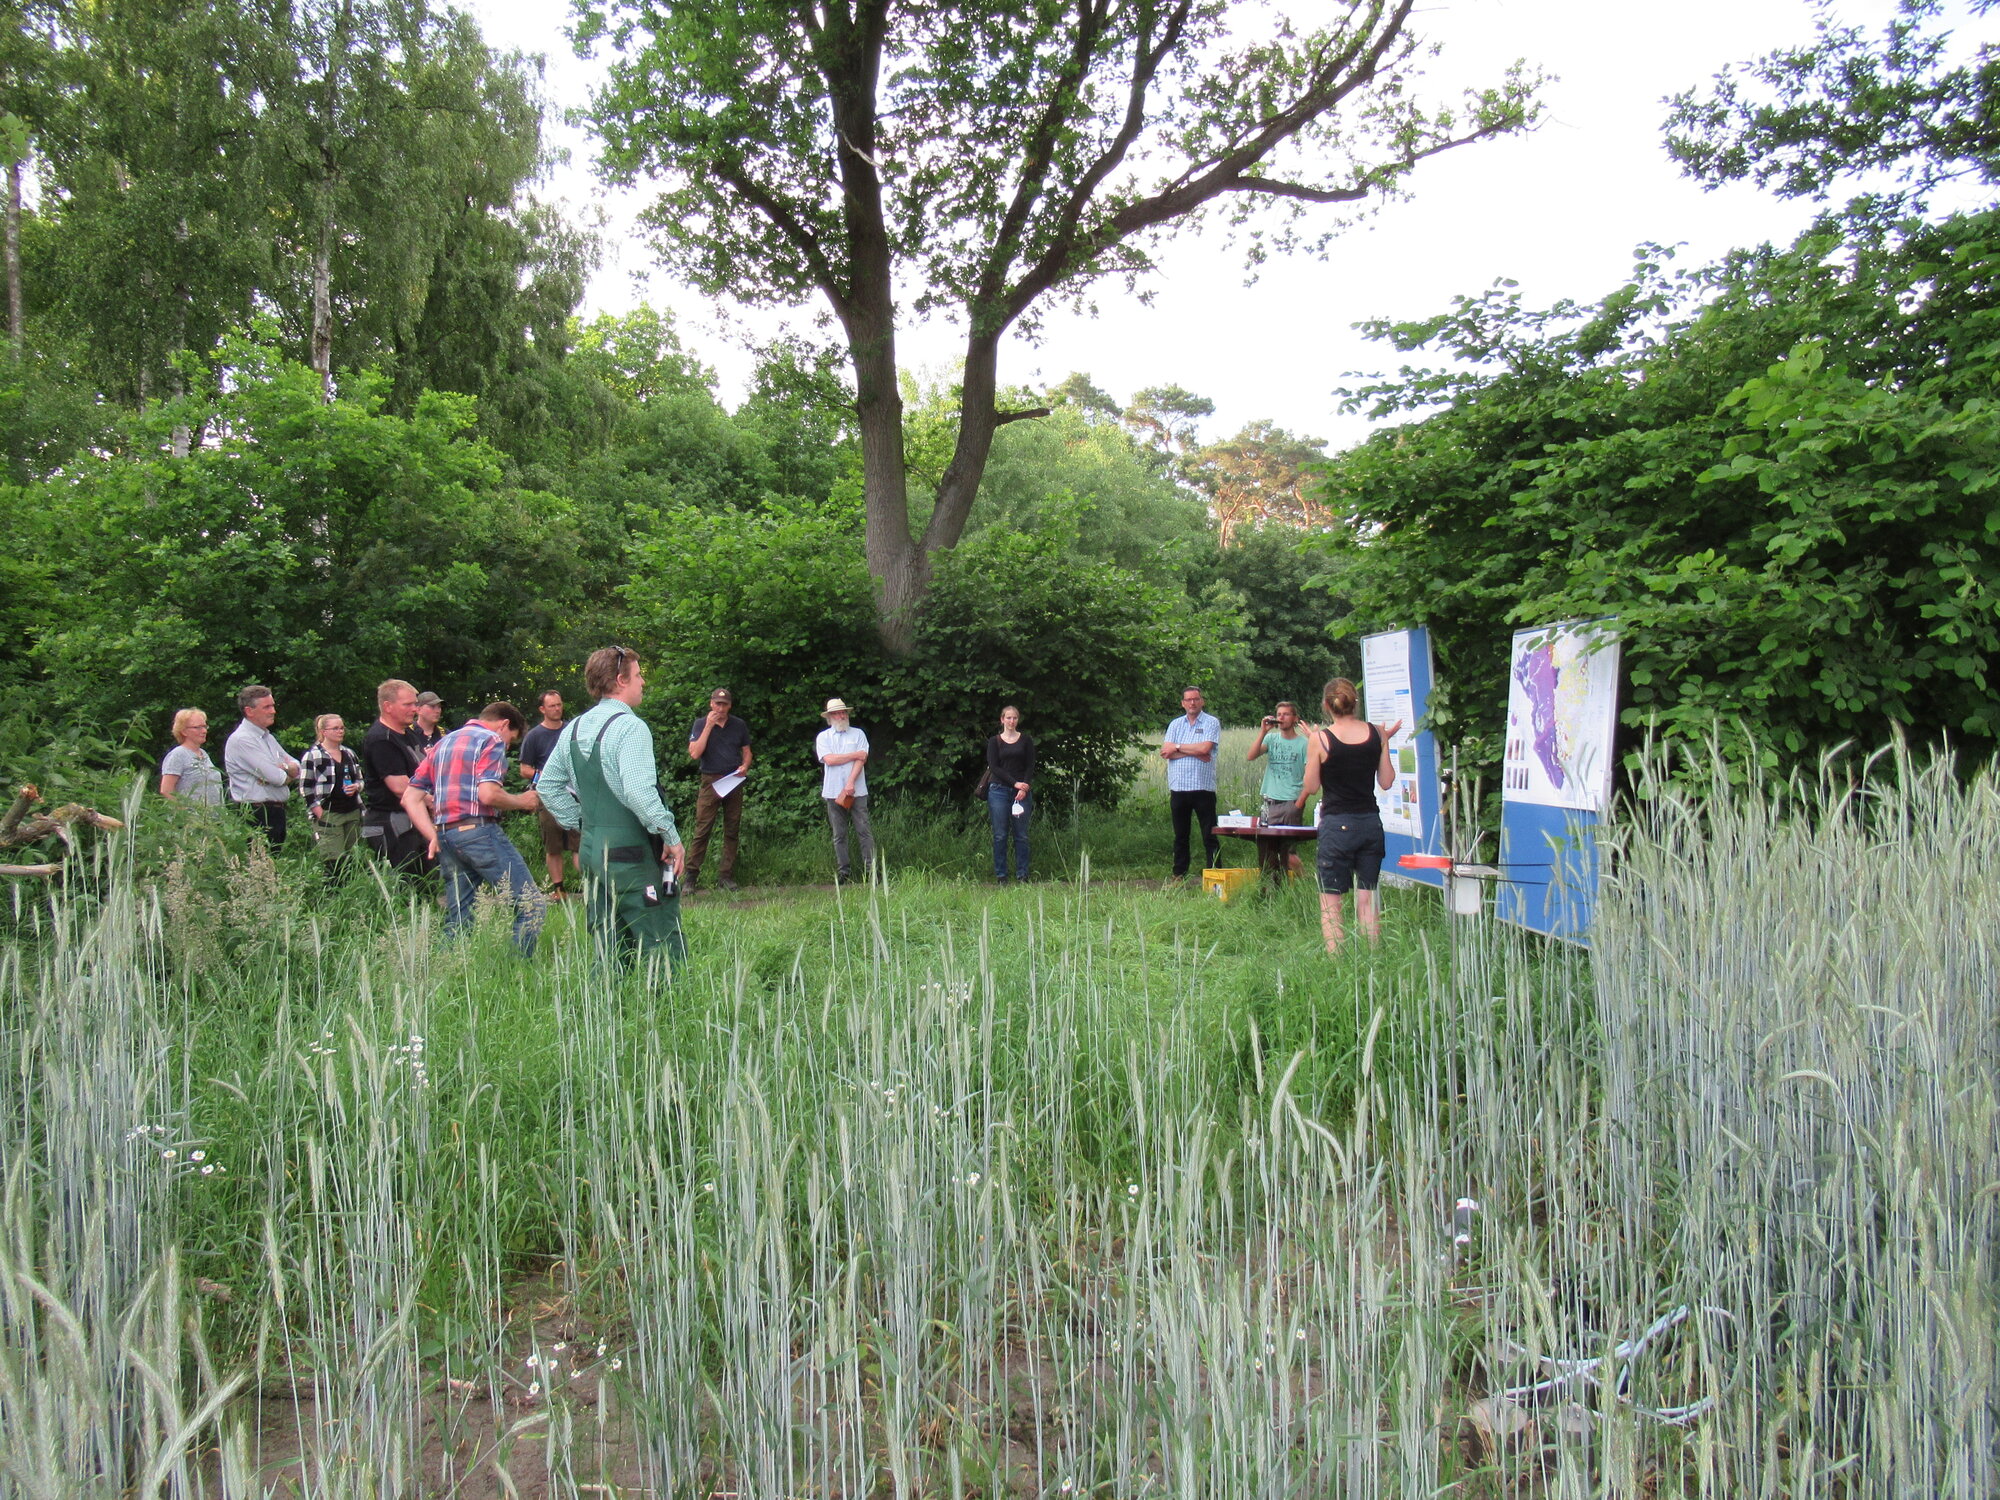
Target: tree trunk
(322, 325)
(329, 169)
(978, 420)
(177, 380)
(17, 334)
(852, 51)
(896, 562)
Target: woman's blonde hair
(319, 724)
(1339, 698)
(185, 717)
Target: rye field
(931, 1188)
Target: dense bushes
(316, 546)
(1777, 473)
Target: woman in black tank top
(1346, 772)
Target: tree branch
(1039, 154)
(788, 223)
(1060, 254)
(1331, 82)
(1002, 418)
(1278, 189)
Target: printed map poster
(1386, 696)
(1562, 710)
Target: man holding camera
(1284, 789)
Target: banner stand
(1396, 678)
(1562, 716)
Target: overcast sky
(1559, 211)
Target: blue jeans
(1000, 807)
(472, 857)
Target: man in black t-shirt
(388, 761)
(720, 743)
(537, 745)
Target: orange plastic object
(1425, 861)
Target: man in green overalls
(601, 779)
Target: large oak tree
(983, 155)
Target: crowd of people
(421, 799)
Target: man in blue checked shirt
(1189, 751)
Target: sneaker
(726, 884)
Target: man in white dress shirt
(260, 772)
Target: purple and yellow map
(1562, 705)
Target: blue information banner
(1396, 678)
(1548, 863)
(1555, 774)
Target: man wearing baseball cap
(424, 731)
(843, 750)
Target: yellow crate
(1223, 884)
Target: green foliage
(988, 157)
(1261, 476)
(772, 602)
(198, 162)
(1289, 607)
(638, 357)
(804, 411)
(1848, 103)
(664, 441)
(1126, 509)
(1785, 494)
(731, 103)
(317, 547)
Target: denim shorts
(1350, 852)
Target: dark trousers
(401, 847)
(706, 806)
(1193, 807)
(269, 816)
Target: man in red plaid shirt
(466, 774)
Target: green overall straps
(620, 859)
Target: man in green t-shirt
(1283, 745)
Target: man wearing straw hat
(843, 751)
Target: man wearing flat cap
(843, 751)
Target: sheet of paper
(724, 785)
(1386, 696)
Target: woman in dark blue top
(1010, 767)
(1348, 760)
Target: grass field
(934, 1188)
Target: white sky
(1558, 211)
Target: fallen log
(18, 829)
